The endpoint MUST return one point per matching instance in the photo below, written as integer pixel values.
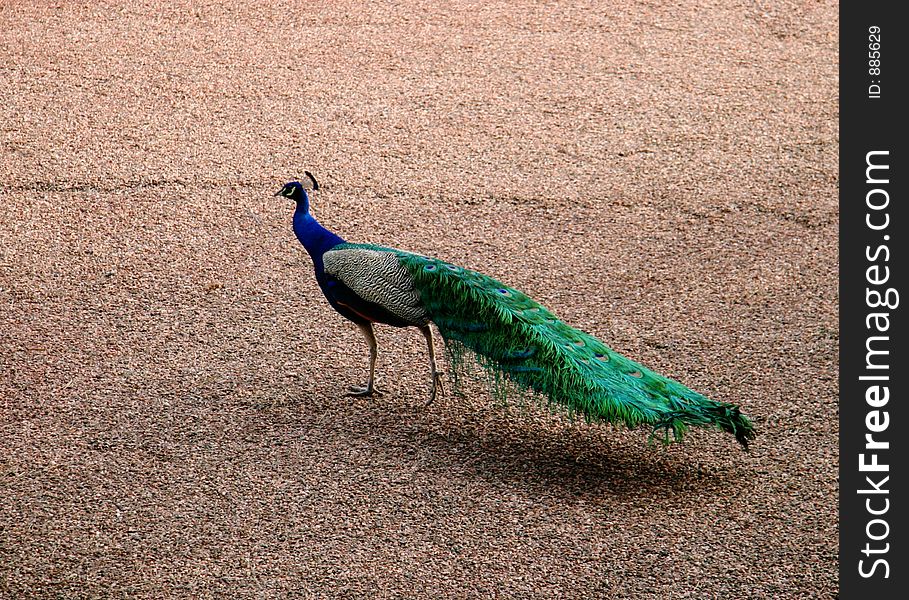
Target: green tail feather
(515, 336)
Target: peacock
(514, 338)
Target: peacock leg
(436, 376)
(370, 388)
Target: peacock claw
(436, 383)
(363, 391)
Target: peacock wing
(375, 275)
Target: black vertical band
(873, 365)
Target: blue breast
(316, 239)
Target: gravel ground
(660, 174)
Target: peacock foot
(364, 391)
(436, 385)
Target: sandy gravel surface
(660, 174)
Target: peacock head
(296, 191)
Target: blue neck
(316, 239)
